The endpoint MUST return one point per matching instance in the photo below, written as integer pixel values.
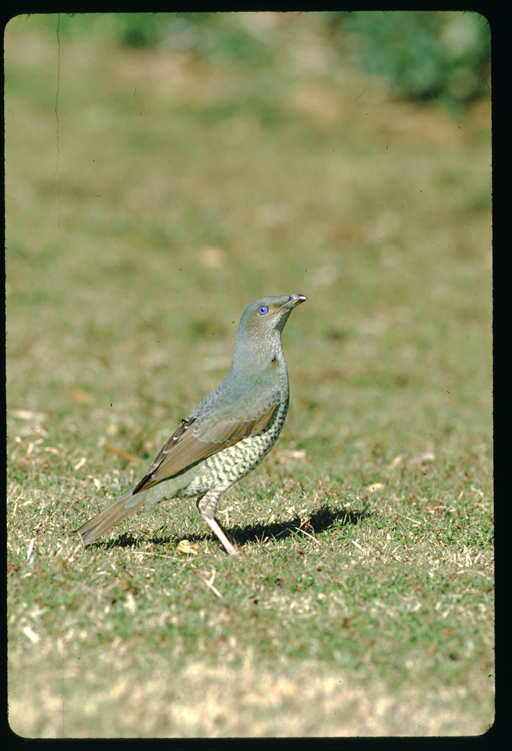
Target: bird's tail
(110, 516)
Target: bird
(227, 435)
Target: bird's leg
(217, 528)
(207, 506)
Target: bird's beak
(294, 300)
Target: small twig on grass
(157, 555)
(30, 548)
(307, 533)
(414, 521)
(123, 454)
(209, 584)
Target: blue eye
(262, 310)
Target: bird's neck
(258, 357)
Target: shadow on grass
(321, 520)
(318, 521)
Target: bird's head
(259, 334)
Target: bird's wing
(195, 440)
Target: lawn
(152, 193)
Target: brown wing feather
(191, 443)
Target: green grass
(179, 190)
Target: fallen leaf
(79, 396)
(185, 546)
(428, 456)
(25, 414)
(34, 638)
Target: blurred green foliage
(212, 36)
(427, 55)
